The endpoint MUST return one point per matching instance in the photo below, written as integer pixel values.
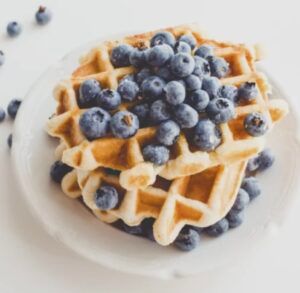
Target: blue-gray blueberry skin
(58, 170)
(204, 51)
(142, 112)
(106, 198)
(247, 91)
(218, 228)
(220, 110)
(235, 218)
(2, 58)
(252, 187)
(256, 124)
(109, 99)
(142, 75)
(159, 55)
(89, 91)
(43, 16)
(120, 55)
(152, 87)
(175, 92)
(9, 140)
(182, 47)
(137, 58)
(218, 66)
(188, 239)
(188, 39)
(124, 124)
(13, 108)
(182, 64)
(202, 68)
(156, 154)
(13, 29)
(159, 112)
(163, 38)
(167, 133)
(211, 85)
(241, 201)
(128, 90)
(2, 114)
(229, 92)
(192, 83)
(185, 116)
(199, 100)
(263, 161)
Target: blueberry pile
(176, 87)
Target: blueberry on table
(242, 200)
(120, 55)
(137, 58)
(128, 90)
(58, 170)
(133, 230)
(159, 55)
(211, 85)
(124, 124)
(204, 51)
(252, 187)
(187, 240)
(159, 111)
(175, 92)
(202, 68)
(141, 111)
(152, 87)
(167, 133)
(163, 38)
(220, 110)
(235, 218)
(156, 154)
(207, 135)
(199, 100)
(219, 67)
(185, 115)
(13, 108)
(142, 75)
(89, 91)
(188, 39)
(229, 92)
(182, 47)
(106, 198)
(2, 58)
(109, 99)
(147, 226)
(256, 124)
(43, 15)
(94, 123)
(247, 91)
(2, 114)
(261, 162)
(192, 83)
(182, 64)
(13, 29)
(218, 228)
(9, 140)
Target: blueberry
(156, 154)
(120, 55)
(185, 116)
(58, 170)
(235, 218)
(218, 228)
(13, 108)
(263, 161)
(252, 187)
(164, 72)
(182, 47)
(152, 87)
(94, 123)
(9, 140)
(202, 68)
(112, 172)
(207, 135)
(247, 91)
(137, 58)
(219, 67)
(109, 99)
(211, 85)
(193, 82)
(188, 39)
(241, 201)
(130, 77)
(159, 111)
(204, 51)
(220, 110)
(133, 230)
(175, 92)
(162, 38)
(2, 58)
(199, 100)
(182, 64)
(187, 240)
(159, 55)
(13, 29)
(256, 124)
(141, 111)
(147, 225)
(167, 133)
(128, 90)
(229, 92)
(89, 90)
(43, 15)
(106, 198)
(2, 114)
(142, 75)
(124, 124)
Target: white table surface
(30, 260)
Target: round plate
(71, 223)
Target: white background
(30, 260)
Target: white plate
(71, 223)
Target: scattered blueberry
(220, 110)
(133, 230)
(235, 218)
(43, 15)
(109, 99)
(211, 85)
(164, 72)
(218, 228)
(13, 29)
(193, 82)
(58, 170)
(256, 124)
(2, 58)
(252, 187)
(202, 68)
(94, 123)
(218, 66)
(9, 140)
(106, 198)
(204, 51)
(141, 111)
(128, 90)
(89, 91)
(159, 55)
(147, 225)
(264, 160)
(156, 154)
(13, 108)
(175, 92)
(247, 91)
(2, 114)
(207, 135)
(142, 75)
(185, 116)
(189, 39)
(182, 64)
(199, 100)
(182, 47)
(152, 87)
(159, 112)
(242, 199)
(124, 124)
(167, 133)
(187, 239)
(162, 38)
(229, 92)
(120, 55)
(137, 58)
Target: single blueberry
(109, 99)
(137, 58)
(202, 68)
(133, 230)
(13, 108)
(175, 92)
(142, 112)
(192, 82)
(128, 90)
(106, 198)
(189, 39)
(89, 90)
(130, 77)
(94, 123)
(207, 135)
(58, 171)
(199, 100)
(13, 29)
(242, 200)
(124, 124)
(2, 58)
(247, 91)
(204, 51)
(182, 64)
(219, 67)
(162, 38)
(120, 55)
(167, 133)
(152, 87)
(229, 92)
(220, 110)
(2, 114)
(251, 186)
(156, 154)
(164, 72)
(261, 162)
(43, 15)
(159, 55)
(182, 47)
(211, 85)
(256, 124)
(187, 240)
(218, 228)
(142, 75)
(9, 140)
(185, 116)
(235, 218)
(159, 112)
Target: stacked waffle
(195, 186)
